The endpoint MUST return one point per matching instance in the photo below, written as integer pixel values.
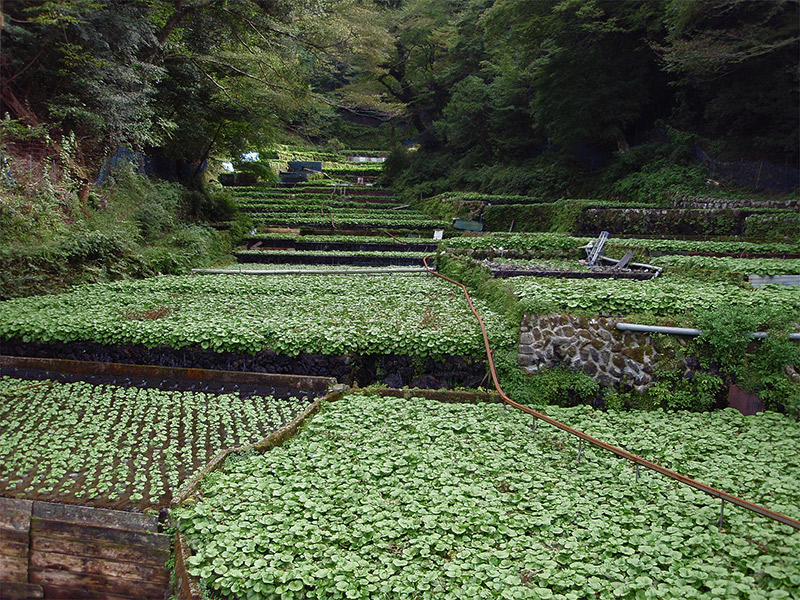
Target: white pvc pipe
(683, 330)
(307, 271)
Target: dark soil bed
(388, 369)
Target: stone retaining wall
(594, 346)
(686, 201)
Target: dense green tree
(736, 64)
(79, 64)
(593, 73)
(416, 70)
(529, 84)
(182, 76)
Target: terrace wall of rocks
(576, 216)
(594, 346)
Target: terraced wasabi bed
(120, 447)
(410, 498)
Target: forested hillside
(615, 100)
(178, 85)
(573, 98)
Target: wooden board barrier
(187, 586)
(15, 519)
(307, 383)
(60, 551)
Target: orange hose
(724, 496)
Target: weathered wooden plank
(188, 587)
(111, 585)
(15, 514)
(55, 530)
(43, 561)
(101, 517)
(20, 591)
(294, 382)
(14, 547)
(72, 593)
(91, 549)
(12, 536)
(14, 569)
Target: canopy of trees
(490, 82)
(177, 75)
(545, 85)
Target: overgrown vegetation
(757, 366)
(131, 227)
(724, 309)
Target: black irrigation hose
(711, 491)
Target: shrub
(262, 171)
(757, 366)
(700, 393)
(563, 387)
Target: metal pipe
(658, 329)
(306, 271)
(685, 330)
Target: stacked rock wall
(594, 346)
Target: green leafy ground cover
(335, 192)
(379, 238)
(362, 214)
(269, 208)
(520, 241)
(353, 201)
(663, 296)
(344, 219)
(394, 498)
(120, 447)
(551, 264)
(290, 151)
(381, 314)
(744, 266)
(558, 241)
(491, 198)
(712, 246)
(280, 205)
